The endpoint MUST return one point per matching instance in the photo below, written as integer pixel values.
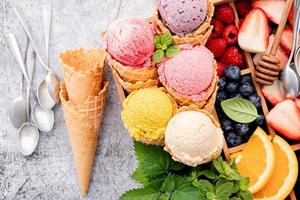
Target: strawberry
(241, 22)
(243, 7)
(232, 56)
(273, 8)
(217, 46)
(254, 32)
(218, 28)
(286, 40)
(275, 93)
(297, 101)
(281, 55)
(257, 57)
(291, 16)
(230, 34)
(285, 118)
(225, 14)
(220, 69)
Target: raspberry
(243, 7)
(230, 34)
(218, 28)
(241, 22)
(217, 46)
(232, 56)
(220, 70)
(225, 14)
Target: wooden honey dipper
(268, 69)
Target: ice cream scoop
(146, 114)
(193, 137)
(130, 42)
(190, 73)
(182, 16)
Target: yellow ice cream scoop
(146, 114)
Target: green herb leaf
(165, 196)
(156, 40)
(246, 195)
(224, 191)
(239, 110)
(235, 198)
(141, 193)
(158, 56)
(166, 39)
(204, 186)
(208, 174)
(210, 196)
(172, 51)
(218, 165)
(243, 183)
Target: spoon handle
(30, 64)
(20, 15)
(47, 19)
(15, 50)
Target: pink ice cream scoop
(182, 16)
(190, 73)
(130, 41)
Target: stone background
(50, 173)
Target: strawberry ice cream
(130, 42)
(190, 73)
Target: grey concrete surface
(50, 173)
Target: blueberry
(255, 99)
(260, 120)
(221, 96)
(227, 125)
(222, 84)
(246, 79)
(246, 90)
(232, 87)
(236, 95)
(233, 139)
(232, 73)
(242, 129)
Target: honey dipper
(268, 69)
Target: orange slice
(285, 173)
(257, 160)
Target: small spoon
(28, 134)
(44, 119)
(17, 108)
(49, 97)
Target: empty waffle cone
(83, 73)
(199, 36)
(131, 74)
(83, 122)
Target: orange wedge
(285, 173)
(257, 160)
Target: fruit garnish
(225, 14)
(239, 110)
(232, 56)
(164, 47)
(274, 93)
(273, 8)
(254, 32)
(257, 160)
(284, 175)
(230, 34)
(220, 69)
(286, 40)
(243, 7)
(281, 55)
(285, 118)
(218, 28)
(217, 46)
(297, 101)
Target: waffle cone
(199, 36)
(184, 101)
(131, 74)
(210, 105)
(83, 122)
(83, 73)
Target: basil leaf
(166, 39)
(172, 51)
(158, 56)
(239, 110)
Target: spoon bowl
(44, 97)
(28, 138)
(17, 111)
(291, 81)
(44, 119)
(52, 83)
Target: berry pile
(234, 85)
(224, 38)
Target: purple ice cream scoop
(182, 16)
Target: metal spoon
(48, 93)
(17, 108)
(28, 134)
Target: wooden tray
(250, 69)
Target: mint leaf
(155, 184)
(166, 39)
(203, 186)
(165, 196)
(140, 194)
(172, 51)
(208, 174)
(224, 191)
(246, 195)
(176, 166)
(235, 198)
(210, 196)
(244, 182)
(218, 165)
(239, 110)
(158, 56)
(169, 184)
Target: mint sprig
(164, 47)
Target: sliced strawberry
(281, 55)
(286, 40)
(254, 32)
(257, 57)
(285, 118)
(297, 101)
(272, 8)
(291, 16)
(274, 93)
